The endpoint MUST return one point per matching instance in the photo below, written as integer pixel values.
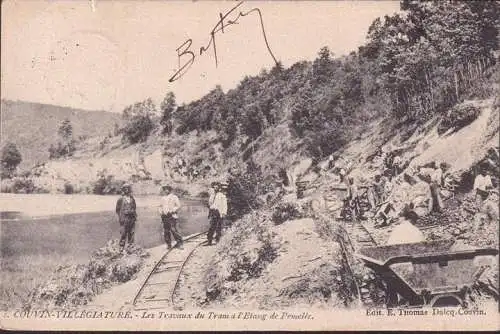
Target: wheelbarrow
(429, 273)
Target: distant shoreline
(42, 206)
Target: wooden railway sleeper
(166, 269)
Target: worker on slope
(127, 216)
(482, 186)
(406, 232)
(397, 165)
(371, 193)
(435, 182)
(353, 194)
(169, 208)
(422, 199)
(217, 204)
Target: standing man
(353, 195)
(170, 205)
(436, 177)
(127, 215)
(217, 204)
(482, 186)
(397, 163)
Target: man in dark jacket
(127, 215)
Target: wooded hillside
(415, 64)
(33, 127)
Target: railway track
(354, 235)
(360, 235)
(159, 289)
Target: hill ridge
(32, 126)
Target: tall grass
(21, 274)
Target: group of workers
(126, 209)
(376, 193)
(427, 183)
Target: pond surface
(32, 246)
(81, 233)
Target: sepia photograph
(249, 165)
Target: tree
(277, 69)
(167, 108)
(143, 108)
(322, 65)
(139, 121)
(11, 158)
(65, 130)
(302, 110)
(245, 187)
(65, 145)
(432, 52)
(116, 129)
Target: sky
(105, 55)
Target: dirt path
(191, 293)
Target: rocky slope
(263, 265)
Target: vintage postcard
(249, 165)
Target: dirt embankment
(262, 265)
(74, 286)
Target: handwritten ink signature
(184, 50)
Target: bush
(325, 140)
(284, 212)
(62, 149)
(107, 185)
(68, 188)
(245, 187)
(6, 186)
(137, 129)
(5, 174)
(9, 160)
(458, 117)
(23, 186)
(180, 192)
(203, 194)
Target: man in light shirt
(170, 205)
(217, 204)
(436, 181)
(482, 186)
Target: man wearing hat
(127, 215)
(217, 204)
(170, 204)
